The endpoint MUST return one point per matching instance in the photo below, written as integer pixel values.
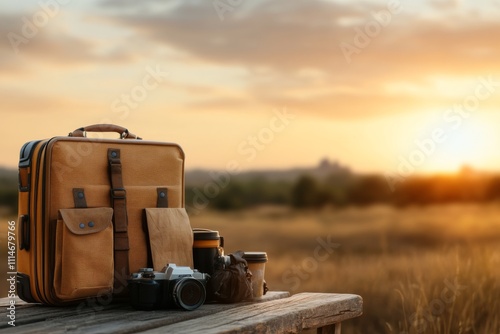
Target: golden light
(471, 143)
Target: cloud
(446, 4)
(293, 35)
(18, 101)
(288, 51)
(283, 39)
(23, 43)
(278, 35)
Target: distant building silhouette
(326, 168)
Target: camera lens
(189, 294)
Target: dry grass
(419, 270)
(403, 262)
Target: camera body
(172, 287)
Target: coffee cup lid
(206, 235)
(255, 256)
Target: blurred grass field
(429, 269)
(433, 269)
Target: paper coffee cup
(257, 265)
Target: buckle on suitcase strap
(118, 193)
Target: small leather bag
(233, 283)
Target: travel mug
(257, 265)
(207, 249)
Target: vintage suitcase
(82, 205)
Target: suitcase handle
(123, 132)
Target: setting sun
(472, 143)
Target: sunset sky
(270, 84)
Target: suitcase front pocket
(83, 253)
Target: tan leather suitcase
(81, 211)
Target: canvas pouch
(170, 237)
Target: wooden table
(276, 312)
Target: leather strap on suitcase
(120, 221)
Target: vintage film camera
(172, 287)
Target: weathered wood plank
(289, 315)
(116, 318)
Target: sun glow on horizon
(472, 143)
